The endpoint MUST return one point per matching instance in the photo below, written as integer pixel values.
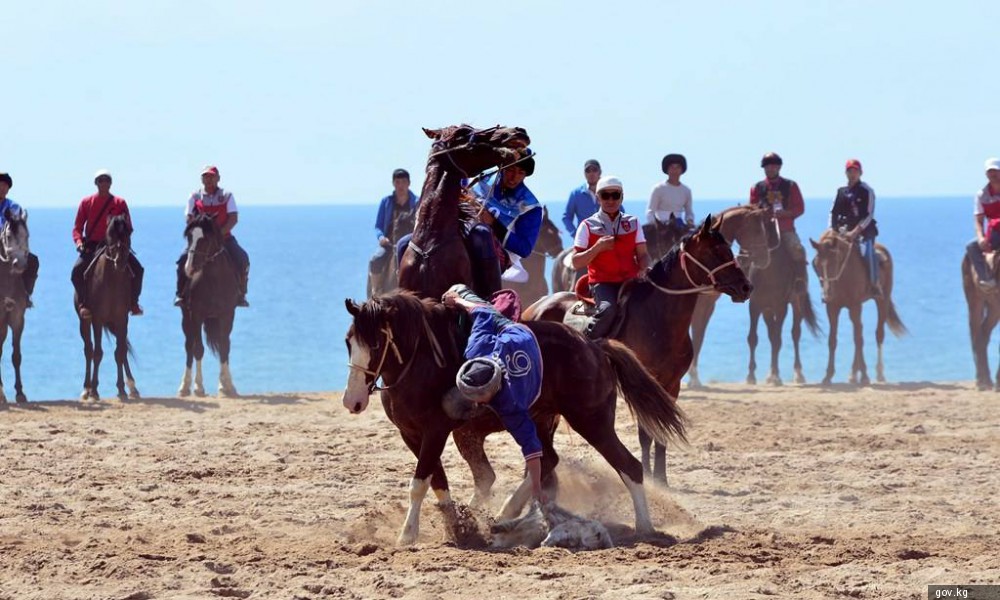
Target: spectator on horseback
(784, 199)
(582, 201)
(8, 206)
(88, 234)
(853, 214)
(612, 246)
(987, 238)
(510, 220)
(219, 203)
(503, 370)
(396, 214)
(671, 198)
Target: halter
(843, 264)
(696, 288)
(211, 257)
(769, 248)
(391, 343)
(4, 257)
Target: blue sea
(307, 259)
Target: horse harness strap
(843, 263)
(695, 288)
(391, 343)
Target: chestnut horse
(844, 275)
(415, 346)
(109, 293)
(13, 298)
(984, 313)
(436, 257)
(549, 245)
(657, 312)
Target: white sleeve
(582, 237)
(190, 206)
(979, 210)
(230, 203)
(653, 205)
(640, 235)
(688, 205)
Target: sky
(306, 102)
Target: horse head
(711, 259)
(833, 251)
(118, 241)
(472, 150)
(14, 240)
(549, 239)
(754, 229)
(204, 242)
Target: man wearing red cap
(784, 199)
(89, 230)
(853, 214)
(219, 203)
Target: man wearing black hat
(396, 215)
(671, 198)
(582, 201)
(784, 199)
(8, 206)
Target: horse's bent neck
(438, 212)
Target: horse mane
(203, 220)
(408, 313)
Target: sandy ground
(795, 492)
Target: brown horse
(415, 346)
(549, 245)
(984, 313)
(436, 257)
(108, 283)
(842, 272)
(774, 285)
(753, 229)
(13, 299)
(657, 312)
(211, 303)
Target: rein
(696, 288)
(391, 343)
(766, 246)
(843, 264)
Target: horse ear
(706, 226)
(352, 307)
(545, 213)
(718, 225)
(432, 133)
(814, 244)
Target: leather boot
(603, 319)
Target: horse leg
(703, 310)
(470, 442)
(88, 358)
(428, 450)
(226, 387)
(879, 338)
(796, 337)
(185, 388)
(859, 371)
(980, 343)
(3, 338)
(774, 325)
(133, 392)
(198, 349)
(832, 317)
(645, 444)
(96, 330)
(18, 329)
(752, 341)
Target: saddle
(581, 314)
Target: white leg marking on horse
(356, 395)
(514, 504)
(418, 489)
(643, 524)
(199, 383)
(185, 389)
(443, 496)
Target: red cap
(508, 303)
(853, 163)
(211, 169)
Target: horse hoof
(228, 394)
(774, 380)
(183, 392)
(21, 398)
(134, 395)
(695, 385)
(984, 386)
(122, 397)
(94, 396)
(199, 392)
(751, 380)
(3, 399)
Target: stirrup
(135, 310)
(178, 301)
(242, 302)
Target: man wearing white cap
(613, 248)
(88, 235)
(987, 208)
(219, 203)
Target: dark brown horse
(774, 285)
(436, 257)
(984, 313)
(211, 303)
(415, 346)
(657, 312)
(13, 299)
(842, 272)
(753, 229)
(549, 245)
(108, 283)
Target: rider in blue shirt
(582, 202)
(30, 273)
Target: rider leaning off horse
(88, 234)
(987, 209)
(396, 214)
(503, 370)
(612, 246)
(30, 274)
(670, 199)
(784, 199)
(509, 224)
(219, 203)
(853, 214)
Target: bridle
(843, 264)
(4, 233)
(695, 287)
(766, 246)
(390, 343)
(118, 252)
(211, 255)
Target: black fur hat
(672, 159)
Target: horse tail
(809, 314)
(213, 335)
(893, 321)
(655, 410)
